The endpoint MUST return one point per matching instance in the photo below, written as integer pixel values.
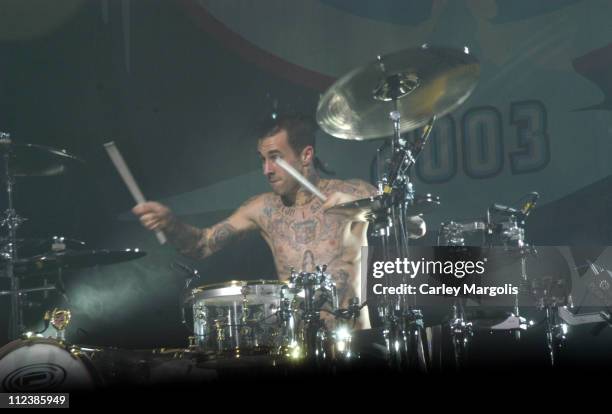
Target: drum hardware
(314, 334)
(395, 94)
(461, 333)
(512, 234)
(29, 160)
(59, 319)
(556, 333)
(453, 233)
(572, 318)
(53, 263)
(191, 274)
(11, 221)
(288, 331)
(404, 324)
(192, 342)
(220, 335)
(342, 336)
(505, 226)
(559, 317)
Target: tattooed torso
(304, 236)
(300, 236)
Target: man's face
(269, 149)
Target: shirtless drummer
(296, 225)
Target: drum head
(39, 364)
(255, 292)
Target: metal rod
(11, 221)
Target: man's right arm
(192, 241)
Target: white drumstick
(296, 174)
(128, 179)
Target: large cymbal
(431, 81)
(31, 160)
(72, 260)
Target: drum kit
(266, 317)
(298, 321)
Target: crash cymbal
(30, 160)
(426, 81)
(366, 208)
(73, 259)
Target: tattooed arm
(415, 224)
(346, 191)
(195, 242)
(359, 188)
(350, 190)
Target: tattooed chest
(299, 230)
(303, 237)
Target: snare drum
(238, 317)
(44, 364)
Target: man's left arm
(352, 190)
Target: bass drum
(44, 364)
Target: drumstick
(128, 179)
(295, 174)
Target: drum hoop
(19, 343)
(236, 283)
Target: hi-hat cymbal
(72, 259)
(426, 81)
(366, 208)
(31, 160)
(28, 247)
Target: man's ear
(307, 156)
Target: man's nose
(268, 167)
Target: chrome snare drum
(239, 317)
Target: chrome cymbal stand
(11, 220)
(403, 323)
(556, 332)
(461, 333)
(451, 234)
(512, 233)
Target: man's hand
(153, 215)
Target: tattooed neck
(302, 196)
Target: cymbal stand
(512, 234)
(12, 221)
(403, 323)
(556, 332)
(450, 234)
